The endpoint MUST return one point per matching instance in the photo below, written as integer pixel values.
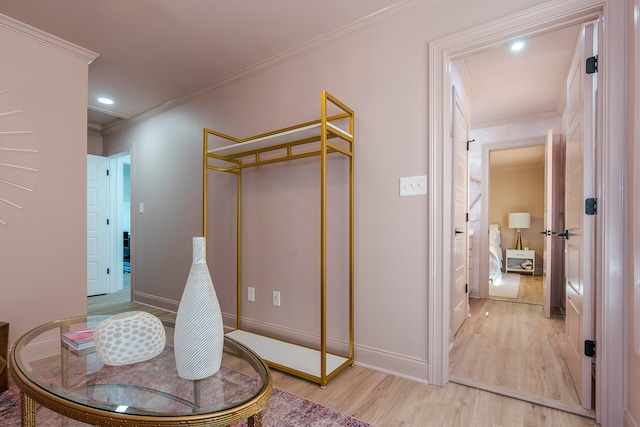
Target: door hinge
(466, 288)
(107, 271)
(107, 172)
(590, 348)
(467, 217)
(592, 65)
(107, 221)
(591, 206)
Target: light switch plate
(413, 185)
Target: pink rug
(284, 409)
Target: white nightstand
(520, 261)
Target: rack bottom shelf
(280, 354)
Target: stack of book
(80, 339)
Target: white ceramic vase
(131, 337)
(199, 333)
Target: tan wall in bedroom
(518, 189)
(43, 247)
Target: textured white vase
(199, 333)
(131, 337)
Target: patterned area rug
(507, 286)
(283, 410)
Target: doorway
(508, 345)
(522, 354)
(516, 185)
(116, 212)
(609, 222)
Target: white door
(547, 259)
(459, 292)
(97, 228)
(579, 252)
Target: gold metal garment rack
(330, 136)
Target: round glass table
(76, 384)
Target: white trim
(610, 226)
(527, 118)
(526, 397)
(400, 8)
(47, 39)
(396, 364)
(628, 419)
(635, 223)
(610, 318)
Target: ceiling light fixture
(517, 46)
(106, 101)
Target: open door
(579, 236)
(97, 227)
(547, 258)
(460, 290)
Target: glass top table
(76, 384)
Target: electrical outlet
(276, 298)
(251, 294)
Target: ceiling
(153, 52)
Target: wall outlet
(251, 294)
(276, 298)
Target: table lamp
(519, 220)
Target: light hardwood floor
(389, 401)
(530, 291)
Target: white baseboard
(384, 361)
(628, 420)
(155, 301)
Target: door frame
(116, 196)
(610, 179)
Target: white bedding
(495, 253)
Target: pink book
(79, 339)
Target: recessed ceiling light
(106, 101)
(517, 46)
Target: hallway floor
(512, 345)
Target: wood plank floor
(530, 291)
(386, 400)
(513, 345)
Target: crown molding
(47, 39)
(93, 127)
(511, 120)
(400, 8)
(109, 112)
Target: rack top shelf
(286, 137)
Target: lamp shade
(519, 220)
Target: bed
(495, 253)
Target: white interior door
(579, 246)
(547, 259)
(459, 291)
(97, 228)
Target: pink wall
(43, 246)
